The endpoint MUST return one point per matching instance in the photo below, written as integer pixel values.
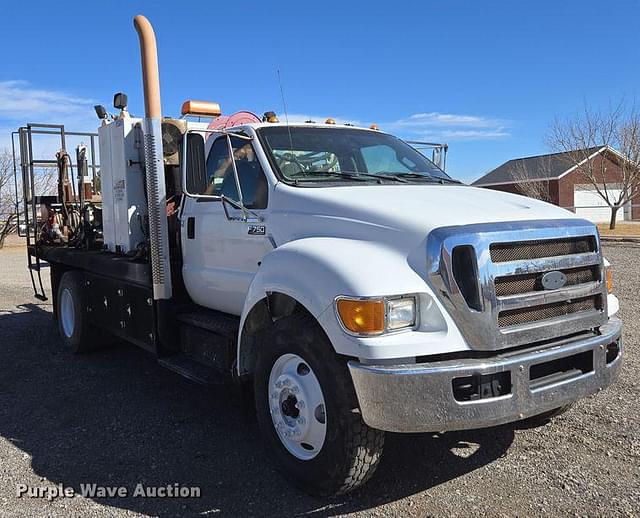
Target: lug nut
(300, 404)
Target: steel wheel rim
(67, 312)
(297, 406)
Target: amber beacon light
(200, 108)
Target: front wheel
(308, 412)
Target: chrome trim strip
(419, 398)
(551, 328)
(561, 262)
(540, 298)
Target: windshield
(338, 154)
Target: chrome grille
(538, 248)
(557, 309)
(510, 260)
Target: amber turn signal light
(364, 317)
(609, 273)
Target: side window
(221, 180)
(196, 173)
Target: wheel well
(271, 308)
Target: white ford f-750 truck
(336, 270)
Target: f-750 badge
(257, 230)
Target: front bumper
(421, 397)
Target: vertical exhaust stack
(154, 167)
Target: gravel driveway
(116, 418)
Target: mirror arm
(245, 212)
(235, 175)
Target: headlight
(401, 313)
(376, 316)
(608, 270)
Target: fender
(314, 271)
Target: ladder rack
(32, 163)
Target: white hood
(413, 210)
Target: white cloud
(21, 102)
(432, 126)
(449, 126)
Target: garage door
(590, 205)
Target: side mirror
(436, 157)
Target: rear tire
(341, 452)
(77, 334)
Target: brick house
(564, 184)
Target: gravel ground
(116, 418)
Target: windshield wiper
(352, 175)
(316, 174)
(422, 176)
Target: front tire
(307, 410)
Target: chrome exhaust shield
(154, 167)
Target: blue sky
(486, 77)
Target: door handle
(191, 227)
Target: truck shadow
(115, 418)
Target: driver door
(223, 221)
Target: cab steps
(207, 346)
(193, 370)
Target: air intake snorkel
(154, 167)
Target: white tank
(124, 207)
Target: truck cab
(452, 307)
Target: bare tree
(617, 129)
(8, 208)
(528, 182)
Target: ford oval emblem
(553, 280)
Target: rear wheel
(308, 412)
(76, 332)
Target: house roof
(540, 167)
